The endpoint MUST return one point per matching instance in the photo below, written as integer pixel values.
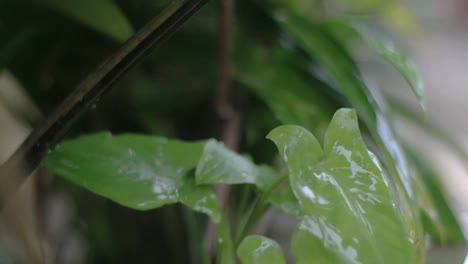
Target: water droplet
(157, 189)
(131, 152)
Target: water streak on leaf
(140, 172)
(260, 250)
(348, 208)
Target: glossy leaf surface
(331, 54)
(260, 250)
(103, 16)
(140, 172)
(348, 207)
(292, 97)
(220, 165)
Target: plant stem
(230, 132)
(195, 233)
(243, 201)
(257, 209)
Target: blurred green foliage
(292, 66)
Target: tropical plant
(298, 128)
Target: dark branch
(15, 170)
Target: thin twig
(229, 116)
(45, 137)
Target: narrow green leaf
(385, 49)
(260, 250)
(331, 55)
(220, 165)
(103, 16)
(348, 206)
(438, 218)
(402, 64)
(140, 172)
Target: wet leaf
(260, 250)
(140, 172)
(331, 55)
(292, 97)
(220, 165)
(103, 16)
(348, 207)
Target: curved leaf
(384, 49)
(103, 16)
(330, 54)
(260, 250)
(438, 218)
(430, 129)
(402, 64)
(140, 172)
(349, 209)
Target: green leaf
(220, 165)
(140, 172)
(294, 98)
(438, 218)
(103, 16)
(330, 54)
(402, 64)
(385, 49)
(348, 207)
(260, 250)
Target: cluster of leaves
(295, 72)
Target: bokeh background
(47, 53)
